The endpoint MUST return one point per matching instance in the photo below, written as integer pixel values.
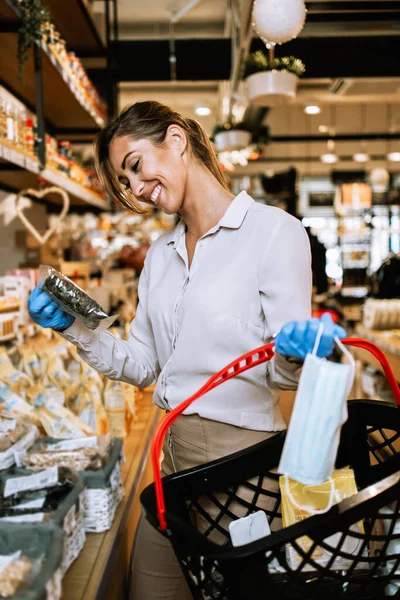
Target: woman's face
(155, 174)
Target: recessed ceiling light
(329, 158)
(394, 156)
(361, 157)
(312, 109)
(203, 111)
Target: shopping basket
(260, 569)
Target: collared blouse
(250, 274)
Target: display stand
(102, 570)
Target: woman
(229, 276)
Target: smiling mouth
(155, 194)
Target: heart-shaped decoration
(42, 239)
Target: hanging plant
(258, 62)
(35, 21)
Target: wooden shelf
(8, 14)
(101, 570)
(64, 107)
(75, 22)
(28, 174)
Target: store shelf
(75, 22)
(354, 292)
(102, 569)
(16, 157)
(74, 189)
(64, 105)
(20, 179)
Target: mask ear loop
(352, 363)
(318, 339)
(332, 497)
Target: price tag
(36, 503)
(76, 444)
(31, 518)
(38, 481)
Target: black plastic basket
(260, 569)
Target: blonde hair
(149, 120)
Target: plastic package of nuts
(75, 301)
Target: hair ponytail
(204, 150)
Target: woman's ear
(176, 138)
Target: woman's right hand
(45, 311)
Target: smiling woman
(231, 274)
(127, 148)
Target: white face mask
(319, 411)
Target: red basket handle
(241, 364)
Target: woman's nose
(138, 189)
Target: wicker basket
(36, 540)
(104, 491)
(69, 516)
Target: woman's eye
(135, 166)
(126, 185)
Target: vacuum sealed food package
(73, 300)
(300, 501)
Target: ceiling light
(323, 129)
(203, 111)
(361, 157)
(312, 109)
(329, 158)
(394, 156)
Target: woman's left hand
(297, 338)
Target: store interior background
(350, 50)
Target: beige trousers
(191, 441)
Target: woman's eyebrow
(124, 161)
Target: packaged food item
(118, 407)
(91, 410)
(30, 363)
(14, 570)
(73, 299)
(17, 381)
(78, 454)
(74, 363)
(313, 498)
(13, 406)
(58, 421)
(89, 374)
(11, 430)
(57, 374)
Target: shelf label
(46, 478)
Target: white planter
(271, 88)
(231, 139)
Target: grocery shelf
(16, 157)
(74, 189)
(64, 103)
(18, 172)
(75, 22)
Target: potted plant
(229, 137)
(272, 81)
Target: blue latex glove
(46, 312)
(298, 337)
